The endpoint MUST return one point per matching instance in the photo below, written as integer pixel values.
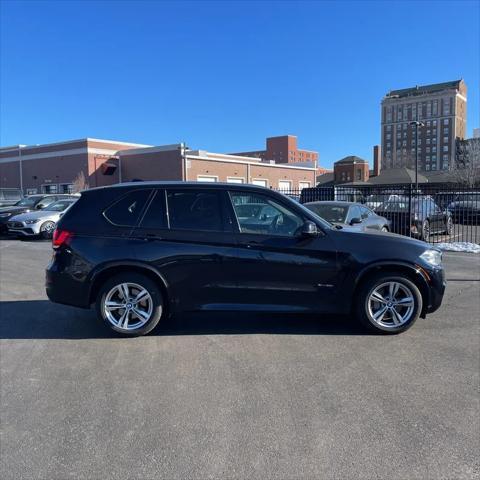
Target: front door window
(259, 214)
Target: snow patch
(459, 247)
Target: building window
(446, 106)
(445, 158)
(445, 148)
(261, 182)
(445, 139)
(445, 121)
(50, 188)
(235, 180)
(434, 149)
(302, 185)
(435, 108)
(284, 185)
(207, 178)
(427, 167)
(66, 188)
(428, 141)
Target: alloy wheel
(47, 227)
(391, 304)
(128, 306)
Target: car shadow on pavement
(41, 319)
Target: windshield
(330, 213)
(59, 206)
(28, 202)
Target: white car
(40, 222)
(376, 201)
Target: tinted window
(354, 213)
(331, 213)
(59, 206)
(366, 212)
(155, 215)
(195, 210)
(126, 211)
(267, 217)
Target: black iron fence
(434, 213)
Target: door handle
(253, 244)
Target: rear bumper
(62, 288)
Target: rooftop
(351, 159)
(422, 89)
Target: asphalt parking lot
(228, 396)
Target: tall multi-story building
(442, 110)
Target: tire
(46, 229)
(425, 233)
(368, 308)
(125, 320)
(449, 226)
(385, 229)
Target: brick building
(441, 107)
(351, 169)
(53, 167)
(283, 149)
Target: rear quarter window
(126, 211)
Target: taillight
(61, 237)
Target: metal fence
(434, 213)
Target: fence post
(410, 210)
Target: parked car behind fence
(458, 218)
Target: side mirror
(309, 229)
(40, 206)
(355, 221)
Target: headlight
(33, 220)
(432, 257)
(5, 215)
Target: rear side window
(126, 211)
(195, 210)
(155, 216)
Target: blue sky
(224, 75)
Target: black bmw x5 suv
(141, 251)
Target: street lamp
(417, 124)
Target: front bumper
(22, 232)
(436, 289)
(22, 229)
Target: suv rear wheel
(130, 303)
(388, 303)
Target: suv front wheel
(388, 303)
(130, 303)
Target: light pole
(417, 124)
(183, 152)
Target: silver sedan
(354, 215)
(40, 222)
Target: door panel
(195, 263)
(276, 268)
